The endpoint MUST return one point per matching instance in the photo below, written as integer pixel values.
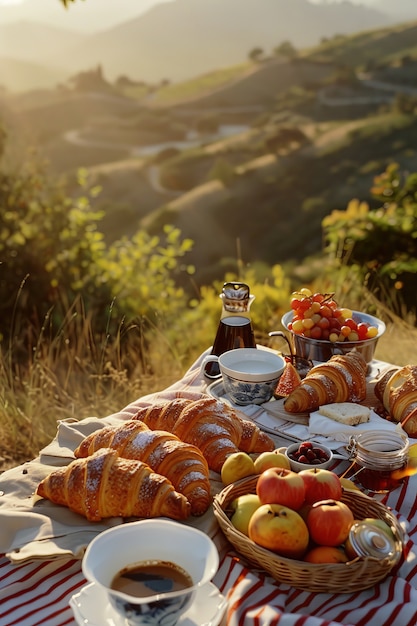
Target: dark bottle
(235, 326)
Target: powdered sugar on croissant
(341, 379)
(182, 463)
(398, 392)
(210, 425)
(105, 485)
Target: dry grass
(72, 379)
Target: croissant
(397, 391)
(106, 485)
(183, 464)
(341, 379)
(210, 425)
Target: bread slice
(346, 413)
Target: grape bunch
(309, 454)
(318, 316)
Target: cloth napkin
(321, 425)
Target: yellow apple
(412, 451)
(349, 484)
(244, 507)
(381, 524)
(271, 459)
(237, 465)
(280, 529)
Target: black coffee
(151, 577)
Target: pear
(237, 465)
(244, 507)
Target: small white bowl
(151, 540)
(298, 466)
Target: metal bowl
(322, 350)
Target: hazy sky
(82, 15)
(147, 3)
(92, 15)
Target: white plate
(90, 608)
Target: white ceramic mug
(249, 375)
(147, 541)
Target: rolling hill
(252, 194)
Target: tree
(3, 137)
(256, 54)
(285, 49)
(379, 245)
(91, 80)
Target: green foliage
(380, 244)
(256, 54)
(141, 273)
(54, 260)
(3, 136)
(224, 171)
(48, 243)
(285, 49)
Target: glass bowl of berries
(320, 328)
(308, 454)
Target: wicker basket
(355, 575)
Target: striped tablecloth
(37, 593)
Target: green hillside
(375, 47)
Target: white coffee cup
(148, 541)
(249, 375)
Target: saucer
(91, 608)
(217, 390)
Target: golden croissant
(210, 425)
(341, 379)
(183, 464)
(105, 485)
(397, 391)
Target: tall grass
(72, 375)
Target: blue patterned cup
(249, 375)
(151, 541)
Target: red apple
(326, 554)
(321, 484)
(280, 529)
(278, 485)
(329, 522)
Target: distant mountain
(89, 16)
(398, 10)
(18, 76)
(36, 42)
(185, 38)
